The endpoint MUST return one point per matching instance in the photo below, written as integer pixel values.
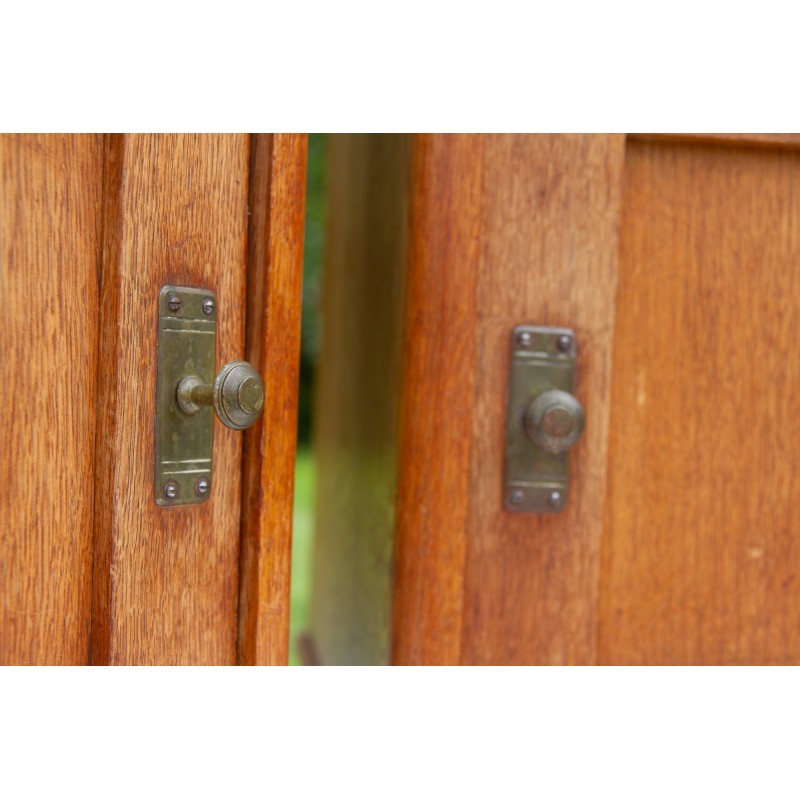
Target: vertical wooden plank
(165, 579)
(356, 405)
(50, 200)
(505, 230)
(274, 284)
(550, 218)
(701, 553)
(439, 349)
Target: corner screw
(174, 301)
(171, 490)
(524, 338)
(555, 499)
(208, 305)
(564, 342)
(201, 487)
(517, 497)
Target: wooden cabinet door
(93, 571)
(674, 259)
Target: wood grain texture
(165, 579)
(356, 401)
(701, 559)
(439, 349)
(50, 213)
(274, 302)
(505, 230)
(549, 243)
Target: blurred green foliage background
(313, 257)
(310, 345)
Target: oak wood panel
(165, 579)
(50, 216)
(439, 348)
(701, 558)
(505, 230)
(548, 256)
(274, 284)
(357, 399)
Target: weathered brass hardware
(554, 421)
(544, 419)
(187, 390)
(237, 395)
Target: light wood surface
(165, 579)
(701, 555)
(439, 351)
(505, 230)
(50, 217)
(550, 214)
(274, 301)
(357, 399)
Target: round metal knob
(237, 395)
(554, 421)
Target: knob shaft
(554, 421)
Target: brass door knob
(554, 421)
(237, 395)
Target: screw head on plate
(201, 487)
(517, 497)
(208, 306)
(564, 342)
(171, 490)
(174, 301)
(555, 499)
(524, 338)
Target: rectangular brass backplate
(542, 359)
(187, 336)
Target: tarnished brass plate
(535, 480)
(187, 335)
